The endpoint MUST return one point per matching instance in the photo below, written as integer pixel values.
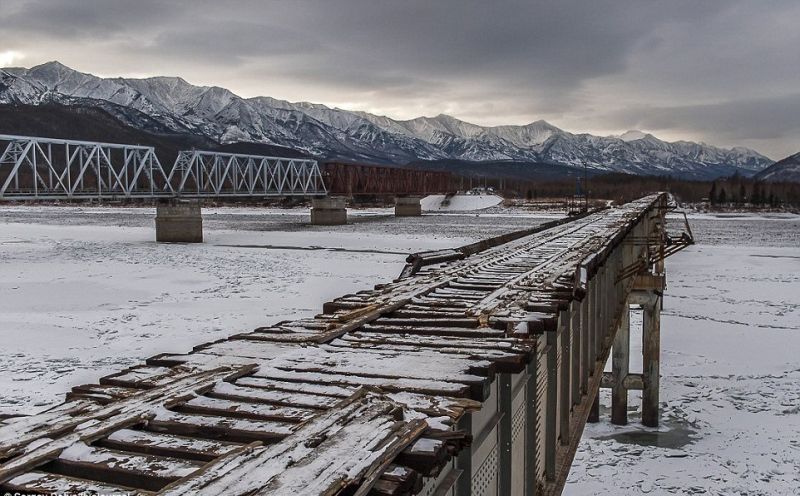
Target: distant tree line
(735, 191)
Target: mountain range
(171, 105)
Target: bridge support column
(651, 350)
(620, 362)
(329, 211)
(179, 222)
(650, 300)
(407, 206)
(594, 411)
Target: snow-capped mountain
(218, 114)
(787, 169)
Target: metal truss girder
(45, 168)
(42, 168)
(200, 173)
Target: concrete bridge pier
(179, 222)
(407, 206)
(328, 211)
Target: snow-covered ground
(85, 291)
(459, 203)
(730, 365)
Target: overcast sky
(724, 72)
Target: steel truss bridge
(34, 168)
(473, 373)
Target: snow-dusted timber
(472, 373)
(44, 168)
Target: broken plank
(118, 467)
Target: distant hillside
(787, 169)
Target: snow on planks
(364, 398)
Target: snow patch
(459, 203)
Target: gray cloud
(722, 71)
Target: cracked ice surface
(730, 365)
(84, 291)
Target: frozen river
(85, 291)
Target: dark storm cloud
(709, 70)
(756, 120)
(84, 19)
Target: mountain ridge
(221, 115)
(787, 169)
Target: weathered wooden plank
(141, 376)
(84, 421)
(302, 387)
(118, 467)
(213, 427)
(486, 332)
(37, 482)
(152, 443)
(239, 408)
(422, 386)
(330, 452)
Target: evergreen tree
(712, 195)
(722, 198)
(755, 198)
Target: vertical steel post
(585, 328)
(464, 460)
(575, 355)
(531, 405)
(564, 401)
(551, 417)
(504, 443)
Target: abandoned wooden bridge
(472, 373)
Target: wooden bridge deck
(473, 373)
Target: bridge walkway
(472, 373)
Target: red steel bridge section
(343, 179)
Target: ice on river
(85, 291)
(730, 374)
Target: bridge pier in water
(650, 301)
(179, 222)
(328, 211)
(408, 206)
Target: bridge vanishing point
(474, 372)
